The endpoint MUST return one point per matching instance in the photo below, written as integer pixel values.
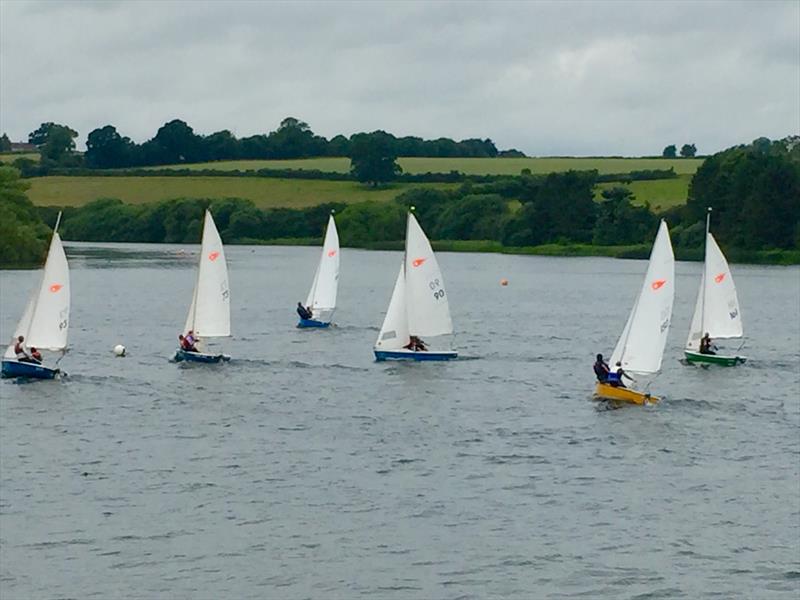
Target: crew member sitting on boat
(416, 344)
(615, 377)
(601, 369)
(706, 345)
(19, 350)
(186, 345)
(36, 356)
(304, 311)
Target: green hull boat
(714, 359)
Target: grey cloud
(548, 78)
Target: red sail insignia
(417, 262)
(55, 287)
(656, 285)
(212, 256)
(719, 277)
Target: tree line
(754, 191)
(176, 142)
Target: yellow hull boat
(621, 394)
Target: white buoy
(119, 350)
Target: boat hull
(200, 357)
(621, 394)
(713, 359)
(312, 323)
(382, 355)
(13, 368)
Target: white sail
(394, 331)
(24, 323)
(717, 310)
(322, 295)
(210, 311)
(49, 324)
(428, 309)
(641, 346)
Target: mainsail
(322, 295)
(210, 311)
(45, 321)
(717, 310)
(640, 348)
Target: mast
(705, 274)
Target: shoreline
(636, 252)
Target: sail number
(437, 289)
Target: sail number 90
(437, 289)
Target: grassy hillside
(470, 166)
(10, 157)
(265, 192)
(660, 193)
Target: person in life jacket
(304, 311)
(706, 345)
(36, 355)
(601, 369)
(186, 345)
(19, 350)
(615, 377)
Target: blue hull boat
(199, 357)
(307, 323)
(381, 355)
(13, 368)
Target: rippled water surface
(303, 469)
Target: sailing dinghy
(45, 322)
(641, 346)
(717, 310)
(322, 295)
(418, 307)
(210, 312)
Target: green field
(660, 193)
(264, 192)
(10, 157)
(470, 166)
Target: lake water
(303, 469)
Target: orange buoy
(504, 281)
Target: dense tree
(107, 149)
(620, 222)
(556, 208)
(5, 143)
(473, 217)
(755, 193)
(177, 142)
(55, 141)
(23, 235)
(688, 150)
(221, 145)
(367, 222)
(372, 158)
(670, 151)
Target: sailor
(36, 355)
(19, 350)
(706, 345)
(186, 346)
(601, 369)
(304, 311)
(615, 377)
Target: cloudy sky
(563, 78)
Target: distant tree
(688, 150)
(107, 149)
(620, 222)
(670, 151)
(294, 139)
(176, 142)
(473, 217)
(338, 146)
(512, 153)
(762, 145)
(221, 145)
(5, 143)
(372, 158)
(23, 236)
(55, 141)
(755, 193)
